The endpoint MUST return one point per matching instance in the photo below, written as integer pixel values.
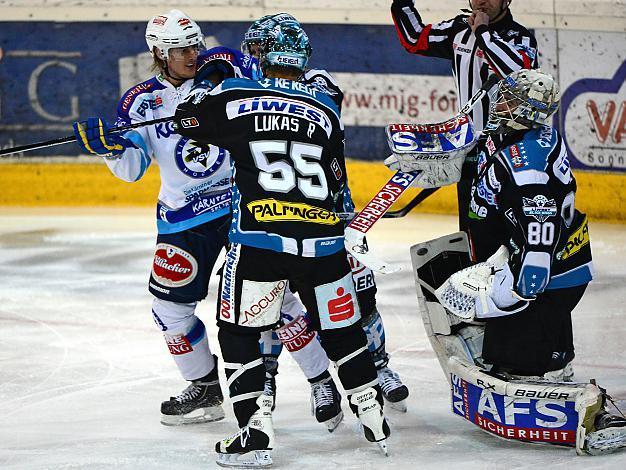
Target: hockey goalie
(496, 302)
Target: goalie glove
(435, 170)
(484, 290)
(436, 150)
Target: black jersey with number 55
(285, 140)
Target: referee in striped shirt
(484, 42)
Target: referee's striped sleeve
(507, 57)
(419, 38)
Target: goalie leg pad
(536, 412)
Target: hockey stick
(392, 190)
(72, 138)
(418, 199)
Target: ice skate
(326, 403)
(394, 391)
(370, 414)
(200, 402)
(250, 447)
(609, 435)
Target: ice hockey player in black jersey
(394, 391)
(286, 142)
(534, 255)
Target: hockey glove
(484, 290)
(93, 138)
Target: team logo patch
(198, 160)
(261, 302)
(337, 304)
(172, 266)
(178, 345)
(539, 207)
(272, 210)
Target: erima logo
(189, 122)
(275, 105)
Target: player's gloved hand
(484, 290)
(215, 71)
(93, 139)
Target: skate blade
(398, 406)
(254, 459)
(332, 423)
(382, 445)
(201, 415)
(605, 441)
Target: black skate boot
(200, 402)
(251, 446)
(367, 407)
(271, 371)
(394, 391)
(326, 402)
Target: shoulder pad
(128, 98)
(528, 158)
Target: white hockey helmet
(524, 99)
(172, 30)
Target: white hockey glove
(484, 290)
(436, 150)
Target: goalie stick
(72, 138)
(392, 190)
(418, 199)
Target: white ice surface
(83, 369)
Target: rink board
(601, 195)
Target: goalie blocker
(528, 409)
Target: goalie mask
(172, 30)
(287, 45)
(524, 99)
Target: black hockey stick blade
(68, 139)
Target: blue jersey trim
(197, 333)
(576, 277)
(165, 227)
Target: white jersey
(195, 178)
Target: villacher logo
(172, 266)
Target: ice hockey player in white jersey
(193, 207)
(395, 392)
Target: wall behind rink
(52, 73)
